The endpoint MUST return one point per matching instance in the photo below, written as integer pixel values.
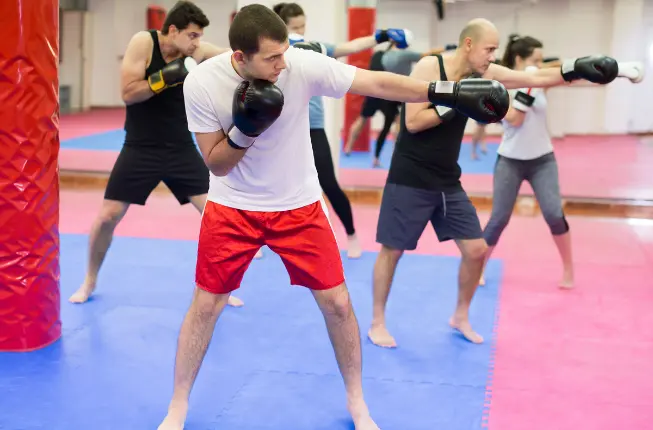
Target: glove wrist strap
(567, 70)
(238, 140)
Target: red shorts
(303, 238)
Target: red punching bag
(156, 16)
(29, 175)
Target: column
(29, 181)
(362, 20)
(627, 44)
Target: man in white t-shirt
(249, 111)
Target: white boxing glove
(633, 70)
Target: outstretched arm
(354, 46)
(208, 50)
(597, 69)
(513, 79)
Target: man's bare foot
(465, 328)
(83, 293)
(380, 336)
(567, 280)
(175, 418)
(259, 254)
(235, 302)
(354, 249)
(361, 416)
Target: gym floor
(553, 359)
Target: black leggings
(390, 111)
(327, 176)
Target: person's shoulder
(212, 65)
(429, 62)
(142, 39)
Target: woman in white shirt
(526, 154)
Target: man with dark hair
(158, 146)
(264, 187)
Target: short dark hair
(522, 46)
(182, 15)
(253, 23)
(288, 10)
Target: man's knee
(392, 254)
(474, 250)
(112, 212)
(207, 304)
(335, 301)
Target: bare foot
(567, 280)
(465, 328)
(235, 302)
(175, 418)
(361, 416)
(481, 282)
(354, 249)
(83, 293)
(259, 254)
(380, 336)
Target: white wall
(568, 28)
(70, 67)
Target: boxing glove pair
(598, 69)
(171, 75)
(401, 37)
(485, 101)
(256, 106)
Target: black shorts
(405, 211)
(371, 105)
(138, 170)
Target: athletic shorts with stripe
(303, 238)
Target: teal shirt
(316, 104)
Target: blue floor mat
(270, 365)
(363, 160)
(113, 141)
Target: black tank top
(160, 120)
(375, 61)
(429, 159)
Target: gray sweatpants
(542, 174)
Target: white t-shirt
(531, 139)
(278, 172)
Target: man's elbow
(412, 125)
(219, 171)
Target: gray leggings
(542, 174)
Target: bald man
(423, 182)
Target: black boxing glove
(312, 46)
(485, 101)
(171, 75)
(598, 69)
(256, 105)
